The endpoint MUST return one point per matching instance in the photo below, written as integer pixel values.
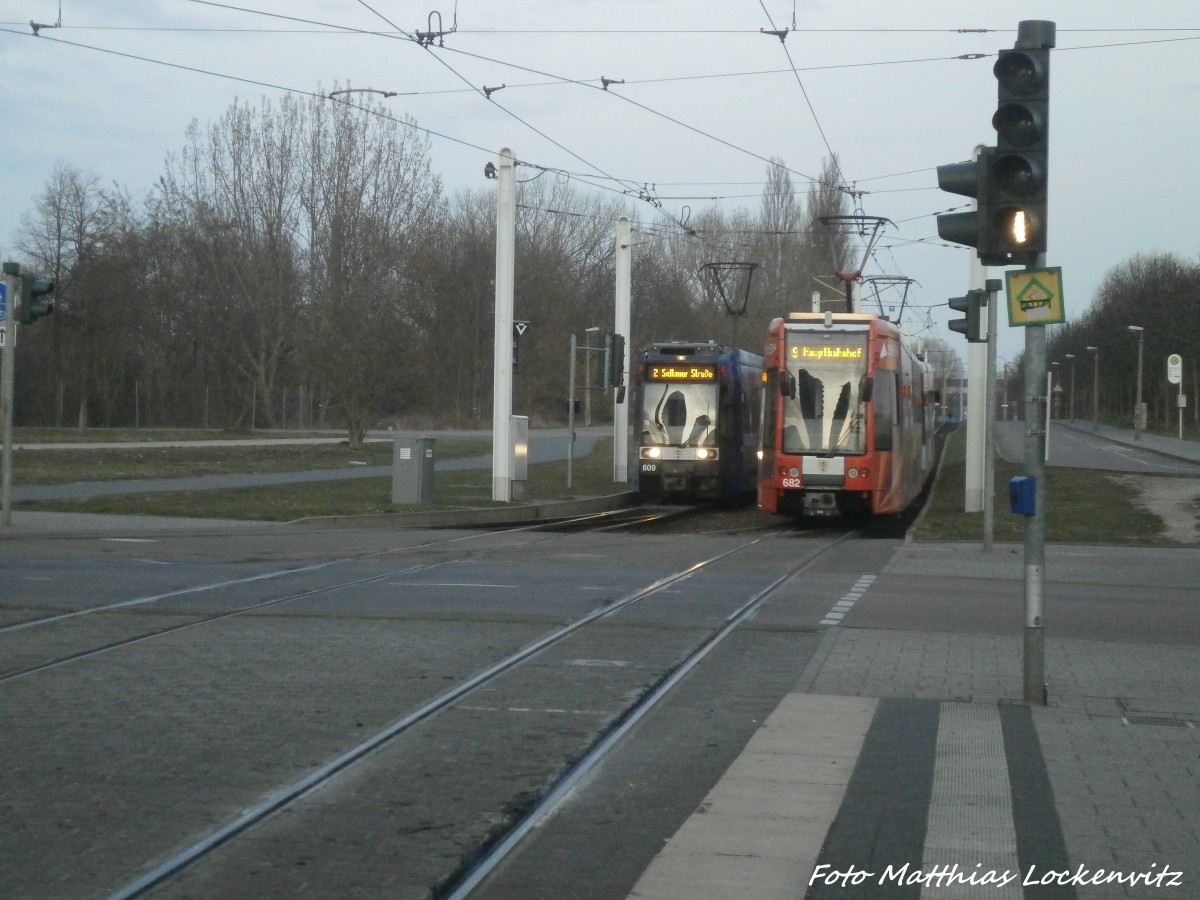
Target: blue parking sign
(3, 302)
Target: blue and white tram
(699, 404)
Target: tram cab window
(826, 414)
(679, 415)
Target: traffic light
(614, 360)
(34, 300)
(972, 323)
(1019, 167)
(970, 179)
(1009, 181)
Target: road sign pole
(1175, 377)
(1036, 409)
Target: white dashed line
(843, 606)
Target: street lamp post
(1138, 412)
(1095, 387)
(587, 374)
(1071, 401)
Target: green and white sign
(1035, 297)
(1174, 368)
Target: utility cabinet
(412, 469)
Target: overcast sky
(706, 98)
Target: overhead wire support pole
(622, 318)
(506, 213)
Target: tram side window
(883, 398)
(726, 420)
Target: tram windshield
(679, 415)
(826, 415)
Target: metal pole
(1072, 415)
(12, 284)
(1049, 399)
(571, 412)
(1034, 668)
(588, 365)
(977, 355)
(1137, 410)
(992, 286)
(1179, 405)
(506, 229)
(1095, 388)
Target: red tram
(848, 417)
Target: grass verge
(1083, 506)
(591, 476)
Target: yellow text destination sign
(826, 352)
(700, 372)
(1035, 297)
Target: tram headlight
(651, 452)
(759, 454)
(852, 473)
(701, 453)
(794, 472)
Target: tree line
(1160, 293)
(298, 263)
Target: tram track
(202, 620)
(598, 522)
(352, 761)
(496, 843)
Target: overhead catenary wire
(628, 187)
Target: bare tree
(369, 198)
(236, 189)
(63, 238)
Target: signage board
(1035, 297)
(1174, 368)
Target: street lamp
(1071, 402)
(1095, 387)
(1138, 411)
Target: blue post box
(1021, 495)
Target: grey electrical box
(518, 455)
(412, 469)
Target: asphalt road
(1081, 448)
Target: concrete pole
(624, 274)
(506, 251)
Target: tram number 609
(649, 467)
